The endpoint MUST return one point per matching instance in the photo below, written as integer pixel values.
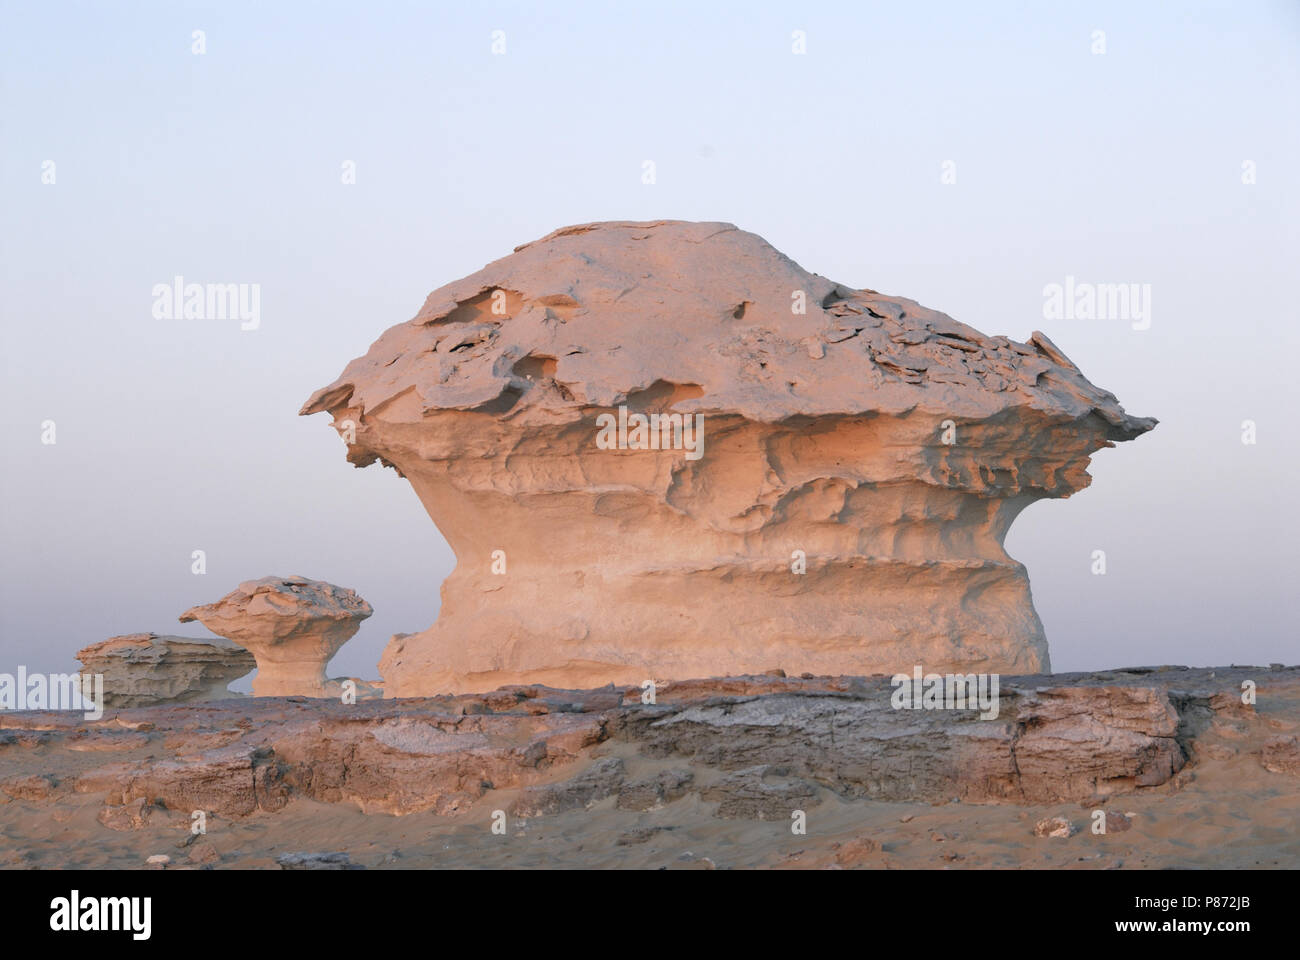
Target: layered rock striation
(825, 485)
(143, 669)
(600, 778)
(757, 747)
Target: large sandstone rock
(862, 459)
(141, 669)
(292, 625)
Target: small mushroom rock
(291, 625)
(665, 450)
(143, 669)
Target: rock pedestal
(291, 625)
(664, 450)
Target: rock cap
(593, 313)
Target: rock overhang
(885, 447)
(593, 315)
(291, 625)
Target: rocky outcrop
(664, 450)
(1047, 743)
(747, 747)
(716, 773)
(143, 669)
(293, 627)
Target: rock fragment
(1057, 827)
(1281, 755)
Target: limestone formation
(753, 747)
(291, 625)
(599, 778)
(665, 450)
(141, 669)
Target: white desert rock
(291, 625)
(143, 669)
(862, 458)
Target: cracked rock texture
(142, 669)
(291, 625)
(753, 748)
(881, 448)
(1188, 774)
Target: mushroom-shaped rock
(665, 450)
(291, 625)
(143, 669)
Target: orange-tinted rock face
(832, 497)
(291, 625)
(143, 669)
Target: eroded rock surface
(142, 669)
(747, 747)
(291, 625)
(862, 457)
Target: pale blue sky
(179, 435)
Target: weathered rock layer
(143, 669)
(862, 458)
(758, 747)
